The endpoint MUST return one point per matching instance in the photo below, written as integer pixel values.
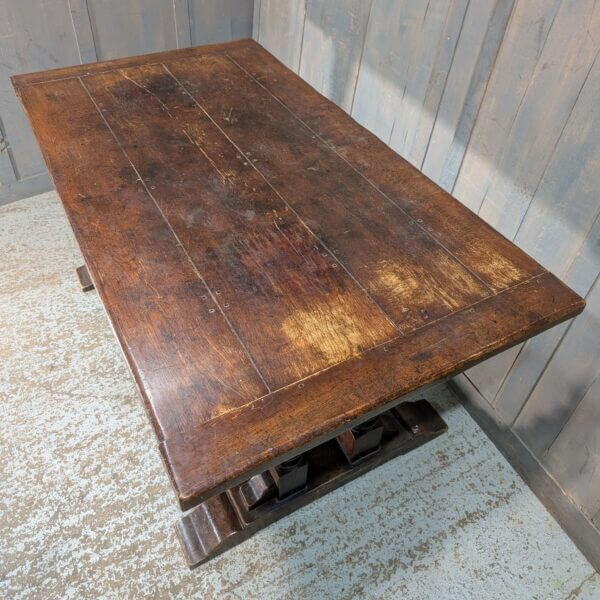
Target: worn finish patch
(86, 510)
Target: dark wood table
(280, 281)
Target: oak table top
(273, 272)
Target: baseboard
(23, 188)
(574, 523)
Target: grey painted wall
(44, 34)
(498, 102)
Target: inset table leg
(85, 281)
(231, 517)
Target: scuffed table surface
(272, 271)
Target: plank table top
(273, 272)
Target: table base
(231, 517)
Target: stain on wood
(273, 273)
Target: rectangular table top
(272, 271)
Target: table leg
(85, 281)
(231, 517)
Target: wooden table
(277, 277)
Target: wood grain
(454, 226)
(360, 387)
(575, 454)
(255, 255)
(161, 311)
(281, 27)
(374, 239)
(467, 78)
(333, 40)
(540, 421)
(272, 271)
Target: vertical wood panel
(83, 31)
(557, 80)
(537, 352)
(482, 32)
(553, 230)
(256, 20)
(523, 42)
(574, 457)
(181, 17)
(395, 32)
(133, 27)
(427, 78)
(334, 35)
(222, 21)
(567, 377)
(282, 29)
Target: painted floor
(86, 510)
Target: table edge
(182, 447)
(24, 80)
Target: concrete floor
(87, 512)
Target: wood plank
(256, 20)
(207, 460)
(255, 255)
(187, 362)
(181, 18)
(222, 21)
(334, 36)
(430, 66)
(413, 278)
(553, 230)
(282, 29)
(481, 34)
(507, 85)
(537, 352)
(82, 27)
(564, 64)
(482, 250)
(574, 456)
(395, 31)
(23, 80)
(124, 28)
(568, 375)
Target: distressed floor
(86, 510)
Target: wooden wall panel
(481, 34)
(566, 378)
(564, 63)
(281, 29)
(405, 63)
(496, 100)
(334, 35)
(524, 40)
(575, 455)
(42, 34)
(133, 27)
(557, 80)
(223, 21)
